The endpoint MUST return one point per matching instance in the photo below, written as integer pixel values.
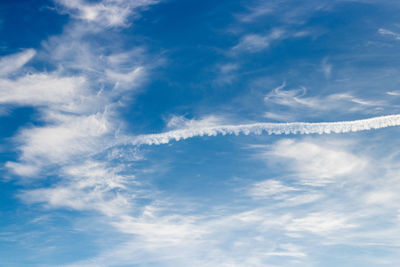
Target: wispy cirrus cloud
(77, 104)
(332, 187)
(77, 100)
(158, 235)
(284, 195)
(269, 188)
(86, 187)
(256, 11)
(386, 32)
(226, 73)
(288, 14)
(109, 13)
(253, 43)
(80, 142)
(12, 63)
(296, 98)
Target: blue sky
(199, 133)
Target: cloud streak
(255, 43)
(11, 63)
(109, 13)
(270, 128)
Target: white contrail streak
(270, 128)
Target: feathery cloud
(389, 33)
(11, 63)
(253, 43)
(109, 13)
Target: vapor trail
(270, 128)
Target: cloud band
(270, 128)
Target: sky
(199, 133)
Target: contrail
(270, 128)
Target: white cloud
(69, 136)
(287, 250)
(326, 68)
(185, 240)
(317, 164)
(226, 73)
(283, 11)
(22, 169)
(129, 78)
(320, 223)
(297, 99)
(257, 11)
(76, 102)
(61, 93)
(269, 188)
(349, 97)
(109, 13)
(12, 63)
(70, 197)
(270, 128)
(381, 197)
(255, 43)
(277, 116)
(86, 187)
(252, 43)
(389, 33)
(180, 122)
(161, 231)
(78, 126)
(292, 98)
(282, 194)
(299, 199)
(393, 93)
